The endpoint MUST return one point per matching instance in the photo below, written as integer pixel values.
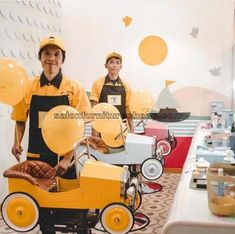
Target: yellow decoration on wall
(169, 82)
(153, 50)
(127, 20)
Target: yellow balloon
(61, 128)
(13, 81)
(114, 137)
(141, 103)
(105, 116)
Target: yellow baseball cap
(52, 41)
(113, 54)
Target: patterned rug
(155, 205)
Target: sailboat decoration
(167, 107)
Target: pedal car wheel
(117, 218)
(20, 212)
(165, 145)
(138, 200)
(151, 169)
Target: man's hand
(16, 151)
(94, 133)
(62, 167)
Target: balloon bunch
(111, 127)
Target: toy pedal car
(164, 137)
(99, 186)
(138, 150)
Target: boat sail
(166, 100)
(167, 105)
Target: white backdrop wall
(22, 25)
(199, 36)
(202, 60)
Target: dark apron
(115, 90)
(36, 142)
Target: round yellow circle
(153, 50)
(117, 219)
(21, 212)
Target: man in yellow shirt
(112, 89)
(48, 90)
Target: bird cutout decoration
(31, 4)
(195, 31)
(32, 38)
(21, 54)
(51, 12)
(43, 25)
(17, 36)
(8, 34)
(45, 9)
(3, 14)
(49, 27)
(35, 54)
(35, 23)
(54, 27)
(3, 52)
(28, 21)
(20, 19)
(12, 54)
(29, 55)
(57, 14)
(24, 2)
(38, 7)
(127, 20)
(215, 71)
(25, 36)
(12, 17)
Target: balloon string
(17, 142)
(17, 136)
(57, 177)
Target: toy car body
(98, 186)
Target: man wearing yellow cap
(112, 89)
(48, 90)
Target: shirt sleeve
(95, 91)
(21, 110)
(80, 100)
(128, 96)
